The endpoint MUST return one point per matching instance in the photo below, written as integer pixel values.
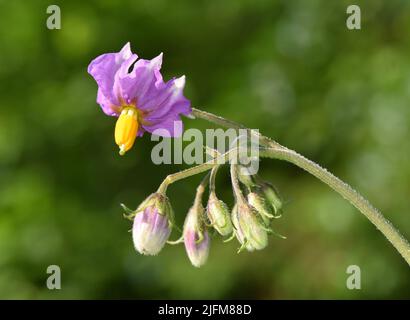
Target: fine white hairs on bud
(196, 237)
(271, 196)
(258, 202)
(152, 224)
(218, 215)
(249, 228)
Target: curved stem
(235, 184)
(231, 124)
(200, 190)
(212, 179)
(184, 174)
(217, 161)
(347, 192)
(275, 150)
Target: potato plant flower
(133, 90)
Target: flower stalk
(195, 234)
(276, 151)
(133, 90)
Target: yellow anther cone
(126, 129)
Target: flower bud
(256, 200)
(272, 196)
(196, 237)
(238, 230)
(249, 228)
(218, 214)
(152, 225)
(245, 177)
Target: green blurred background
(290, 68)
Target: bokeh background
(289, 68)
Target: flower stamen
(126, 129)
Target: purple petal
(103, 70)
(168, 127)
(165, 109)
(168, 99)
(137, 84)
(106, 104)
(161, 103)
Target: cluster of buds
(249, 221)
(252, 218)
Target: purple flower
(133, 90)
(150, 231)
(196, 238)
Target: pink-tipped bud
(152, 226)
(196, 237)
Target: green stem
(231, 124)
(235, 185)
(184, 174)
(217, 161)
(275, 150)
(212, 179)
(200, 190)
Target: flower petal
(168, 99)
(170, 126)
(137, 84)
(103, 70)
(164, 109)
(106, 105)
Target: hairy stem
(347, 192)
(212, 179)
(276, 151)
(217, 161)
(235, 184)
(200, 190)
(231, 124)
